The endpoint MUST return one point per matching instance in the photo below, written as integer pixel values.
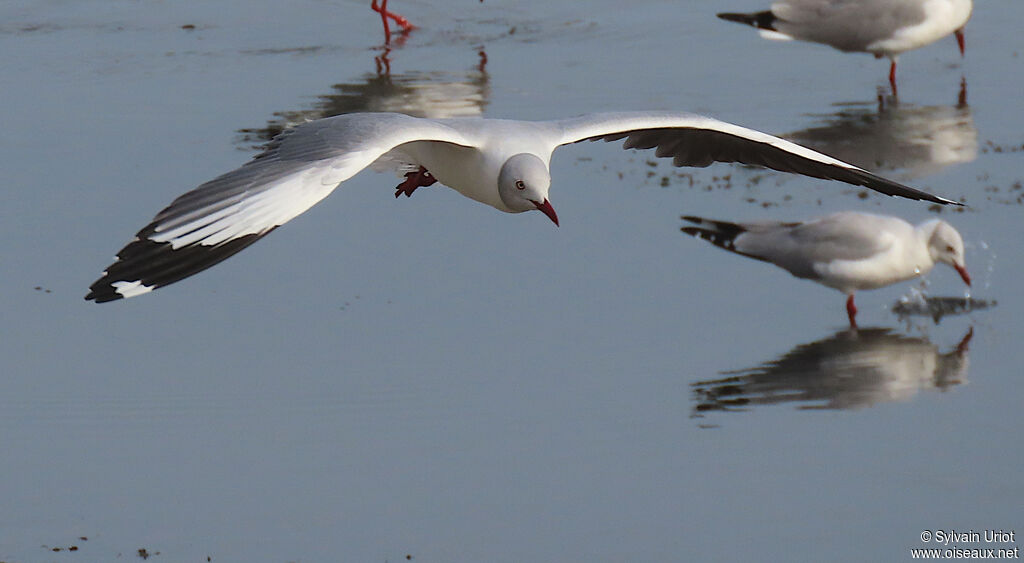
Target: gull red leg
(960, 40)
(892, 76)
(382, 9)
(851, 311)
(413, 180)
(383, 17)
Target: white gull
(502, 163)
(848, 251)
(884, 28)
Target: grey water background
(430, 378)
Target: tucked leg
(413, 180)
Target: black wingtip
(760, 20)
(145, 265)
(888, 187)
(712, 228)
(103, 294)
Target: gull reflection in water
(849, 370)
(916, 140)
(420, 94)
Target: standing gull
(848, 251)
(502, 163)
(884, 28)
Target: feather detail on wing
(299, 168)
(695, 140)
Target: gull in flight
(502, 163)
(884, 28)
(848, 251)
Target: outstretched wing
(695, 140)
(221, 217)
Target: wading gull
(848, 251)
(884, 28)
(502, 163)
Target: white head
(946, 246)
(523, 185)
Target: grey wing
(847, 25)
(695, 140)
(221, 217)
(798, 247)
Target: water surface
(428, 377)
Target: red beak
(548, 210)
(963, 274)
(960, 40)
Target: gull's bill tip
(960, 269)
(546, 208)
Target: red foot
(382, 9)
(414, 180)
(851, 311)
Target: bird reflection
(848, 370)
(420, 94)
(886, 135)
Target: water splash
(990, 266)
(938, 307)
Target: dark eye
(949, 248)
(520, 185)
